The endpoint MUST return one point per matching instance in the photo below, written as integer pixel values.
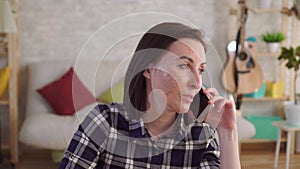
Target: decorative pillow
(4, 77)
(115, 94)
(62, 98)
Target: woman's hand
(228, 120)
(222, 117)
(222, 112)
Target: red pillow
(67, 94)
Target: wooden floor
(261, 156)
(262, 160)
(250, 159)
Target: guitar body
(242, 74)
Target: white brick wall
(55, 30)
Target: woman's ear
(147, 73)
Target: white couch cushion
(42, 127)
(51, 131)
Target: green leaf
(289, 65)
(273, 37)
(285, 53)
(298, 51)
(291, 56)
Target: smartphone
(200, 103)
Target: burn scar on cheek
(157, 100)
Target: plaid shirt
(108, 139)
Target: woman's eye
(201, 71)
(184, 66)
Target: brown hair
(149, 50)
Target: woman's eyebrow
(189, 59)
(204, 63)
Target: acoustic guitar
(242, 73)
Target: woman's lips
(188, 98)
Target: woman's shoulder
(113, 107)
(101, 121)
(108, 115)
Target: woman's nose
(196, 81)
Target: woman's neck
(157, 118)
(159, 125)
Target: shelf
(261, 140)
(9, 47)
(268, 54)
(258, 10)
(285, 28)
(3, 48)
(249, 99)
(3, 102)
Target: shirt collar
(180, 127)
(136, 128)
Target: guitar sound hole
(242, 56)
(250, 64)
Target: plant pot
(264, 4)
(273, 46)
(292, 113)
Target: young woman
(156, 127)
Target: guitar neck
(242, 22)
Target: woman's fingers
(222, 115)
(228, 120)
(210, 92)
(222, 112)
(217, 102)
(216, 112)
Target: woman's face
(177, 75)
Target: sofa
(44, 128)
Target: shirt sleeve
(88, 142)
(211, 158)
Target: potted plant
(292, 58)
(273, 40)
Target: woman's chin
(184, 108)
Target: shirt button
(156, 153)
(69, 155)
